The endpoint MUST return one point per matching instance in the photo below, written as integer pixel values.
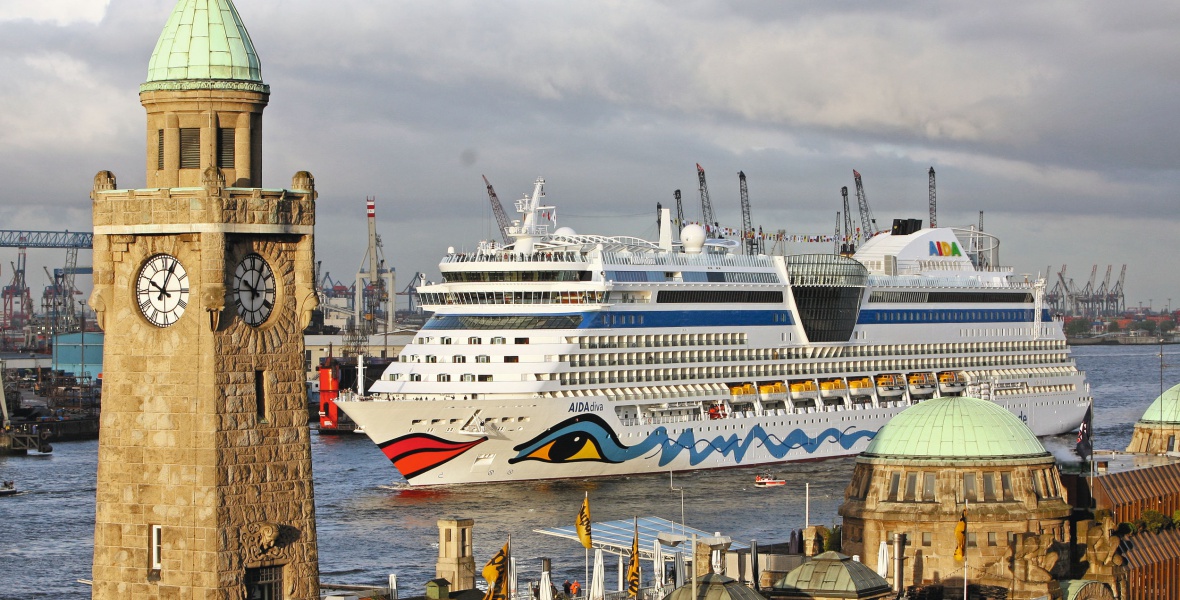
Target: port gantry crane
(679, 212)
(498, 210)
(749, 241)
(933, 202)
(868, 223)
(706, 205)
(18, 303)
(847, 246)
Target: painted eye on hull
(571, 447)
(581, 438)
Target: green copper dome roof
(204, 40)
(1165, 409)
(955, 428)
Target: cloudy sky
(1058, 120)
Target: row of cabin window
(190, 148)
(920, 486)
(472, 340)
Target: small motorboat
(8, 488)
(768, 480)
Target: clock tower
(203, 284)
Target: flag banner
(1085, 447)
(583, 523)
(961, 537)
(496, 573)
(633, 567)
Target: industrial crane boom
(748, 241)
(847, 246)
(933, 202)
(498, 211)
(868, 223)
(679, 210)
(706, 204)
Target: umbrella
(598, 578)
(546, 592)
(657, 565)
(679, 565)
(883, 559)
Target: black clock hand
(167, 275)
(163, 292)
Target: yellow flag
(633, 568)
(496, 573)
(583, 523)
(961, 537)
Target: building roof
(204, 40)
(955, 428)
(715, 587)
(1165, 408)
(832, 574)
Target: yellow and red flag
(633, 567)
(496, 573)
(583, 522)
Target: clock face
(254, 290)
(161, 290)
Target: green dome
(1165, 409)
(955, 428)
(204, 40)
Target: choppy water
(370, 525)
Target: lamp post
(681, 490)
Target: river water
(371, 525)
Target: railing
(565, 257)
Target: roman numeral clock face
(254, 290)
(161, 290)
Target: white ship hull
(569, 356)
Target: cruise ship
(564, 355)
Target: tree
(1167, 326)
(1112, 327)
(1077, 327)
(1153, 521)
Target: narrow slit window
(260, 395)
(225, 148)
(190, 148)
(157, 544)
(159, 149)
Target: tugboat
(768, 480)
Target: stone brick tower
(203, 288)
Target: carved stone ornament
(267, 541)
(213, 180)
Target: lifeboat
(742, 390)
(833, 388)
(890, 385)
(860, 386)
(768, 480)
(773, 391)
(922, 384)
(950, 382)
(803, 389)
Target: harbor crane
(933, 202)
(679, 210)
(836, 236)
(498, 210)
(847, 246)
(868, 223)
(18, 302)
(374, 282)
(706, 205)
(749, 241)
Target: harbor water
(371, 525)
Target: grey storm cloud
(1056, 119)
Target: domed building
(944, 458)
(1156, 432)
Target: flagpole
(966, 504)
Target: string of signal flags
(497, 575)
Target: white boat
(768, 480)
(8, 488)
(564, 355)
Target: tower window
(190, 148)
(260, 395)
(264, 583)
(156, 545)
(225, 147)
(159, 148)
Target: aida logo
(944, 249)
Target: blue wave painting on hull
(588, 438)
